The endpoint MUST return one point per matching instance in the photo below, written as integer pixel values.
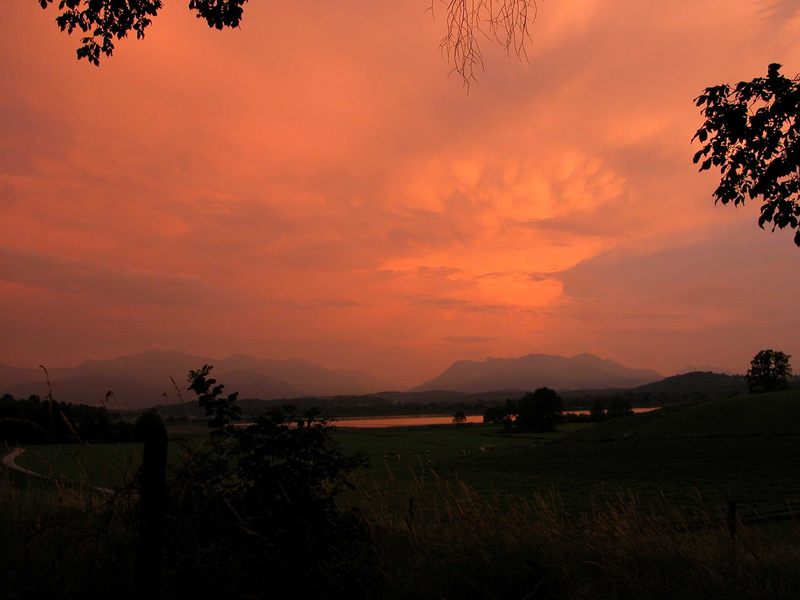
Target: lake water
(412, 421)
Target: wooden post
(147, 582)
(732, 520)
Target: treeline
(543, 409)
(686, 388)
(35, 421)
(332, 407)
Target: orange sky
(315, 185)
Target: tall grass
(435, 538)
(63, 541)
(444, 540)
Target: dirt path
(10, 462)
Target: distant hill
(699, 384)
(584, 371)
(143, 380)
(771, 415)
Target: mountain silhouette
(584, 371)
(143, 380)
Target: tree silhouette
(467, 21)
(254, 508)
(752, 134)
(769, 371)
(459, 417)
(540, 410)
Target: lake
(416, 420)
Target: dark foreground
(632, 508)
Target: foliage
(104, 21)
(752, 134)
(221, 412)
(501, 415)
(539, 411)
(147, 421)
(619, 407)
(462, 544)
(598, 410)
(34, 421)
(254, 510)
(459, 417)
(769, 371)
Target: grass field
(742, 448)
(626, 508)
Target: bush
(254, 512)
(539, 411)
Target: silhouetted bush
(539, 411)
(253, 511)
(35, 421)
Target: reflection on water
(376, 422)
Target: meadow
(612, 509)
(741, 448)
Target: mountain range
(146, 379)
(143, 380)
(584, 371)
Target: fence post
(147, 573)
(732, 520)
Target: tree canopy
(751, 133)
(540, 410)
(102, 22)
(769, 371)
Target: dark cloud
(96, 280)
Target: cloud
(98, 281)
(467, 339)
(326, 190)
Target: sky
(317, 184)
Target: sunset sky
(315, 184)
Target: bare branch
(505, 22)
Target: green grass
(743, 448)
(92, 464)
(627, 508)
(441, 448)
(103, 465)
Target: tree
(619, 407)
(459, 418)
(540, 410)
(752, 134)
(493, 415)
(104, 21)
(254, 508)
(769, 371)
(147, 421)
(598, 410)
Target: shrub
(253, 510)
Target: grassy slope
(442, 448)
(745, 448)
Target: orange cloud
(315, 185)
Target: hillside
(774, 414)
(743, 447)
(677, 389)
(583, 371)
(697, 385)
